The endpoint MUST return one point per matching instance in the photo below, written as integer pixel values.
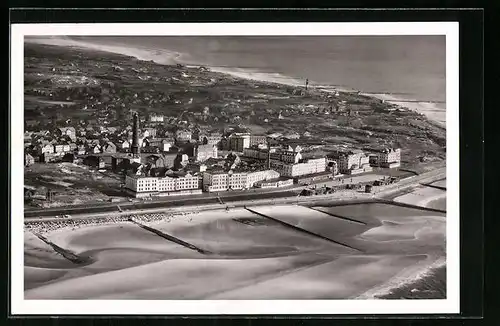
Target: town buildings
(67, 131)
(212, 138)
(256, 140)
(183, 136)
(274, 183)
(28, 160)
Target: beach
(251, 257)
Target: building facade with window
(310, 166)
(141, 186)
(222, 181)
(390, 158)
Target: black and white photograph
(237, 164)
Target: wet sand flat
(251, 257)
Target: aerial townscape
(111, 139)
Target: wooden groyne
(433, 186)
(69, 255)
(171, 238)
(390, 202)
(338, 216)
(301, 230)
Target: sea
(399, 68)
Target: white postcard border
(234, 307)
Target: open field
(72, 184)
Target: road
(82, 209)
(386, 192)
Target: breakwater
(170, 237)
(69, 255)
(300, 229)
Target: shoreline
(166, 57)
(407, 276)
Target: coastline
(418, 273)
(406, 277)
(166, 57)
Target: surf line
(300, 229)
(171, 238)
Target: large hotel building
(222, 181)
(141, 186)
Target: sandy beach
(433, 111)
(423, 196)
(251, 257)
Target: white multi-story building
(49, 149)
(390, 158)
(309, 166)
(210, 139)
(183, 135)
(353, 162)
(204, 152)
(238, 142)
(156, 118)
(141, 186)
(61, 148)
(222, 181)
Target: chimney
(135, 135)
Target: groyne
(300, 229)
(170, 238)
(337, 216)
(69, 255)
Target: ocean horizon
(393, 68)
